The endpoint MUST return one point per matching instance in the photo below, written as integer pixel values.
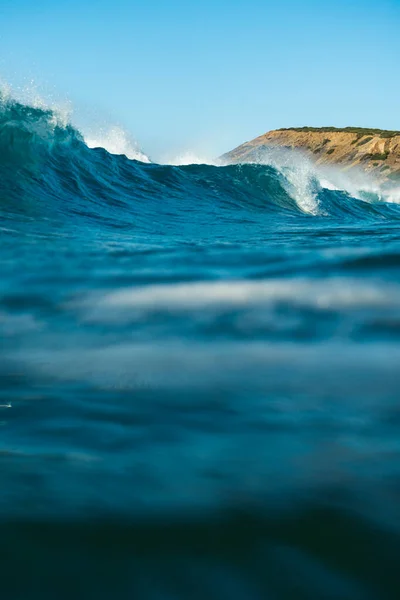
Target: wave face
(199, 377)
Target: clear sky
(209, 75)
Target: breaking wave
(61, 172)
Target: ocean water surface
(199, 376)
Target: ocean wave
(46, 164)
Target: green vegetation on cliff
(374, 151)
(359, 131)
(376, 156)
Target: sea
(199, 375)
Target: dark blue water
(199, 378)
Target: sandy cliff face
(373, 151)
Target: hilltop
(375, 151)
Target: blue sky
(209, 75)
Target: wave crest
(46, 164)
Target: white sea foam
(115, 140)
(357, 184)
(393, 195)
(304, 178)
(299, 176)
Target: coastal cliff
(372, 150)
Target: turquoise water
(199, 382)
